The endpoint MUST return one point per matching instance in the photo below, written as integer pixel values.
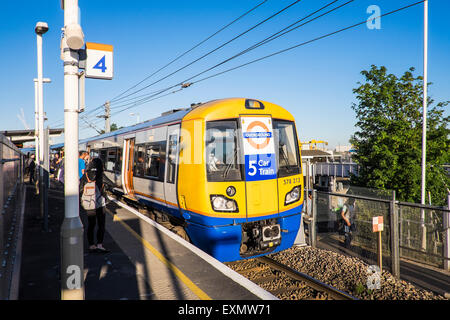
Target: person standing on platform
(60, 177)
(96, 217)
(81, 164)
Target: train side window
(94, 154)
(139, 161)
(118, 165)
(111, 159)
(153, 161)
(103, 156)
(172, 158)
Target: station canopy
(19, 137)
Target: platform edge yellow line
(196, 290)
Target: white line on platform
(236, 277)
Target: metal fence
(424, 234)
(11, 176)
(411, 231)
(337, 169)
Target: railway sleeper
(291, 290)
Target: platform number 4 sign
(99, 61)
(101, 64)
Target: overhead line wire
(309, 41)
(262, 42)
(284, 50)
(191, 49)
(275, 35)
(212, 51)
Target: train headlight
(292, 196)
(223, 204)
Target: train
(227, 173)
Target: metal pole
(45, 178)
(380, 252)
(40, 29)
(36, 120)
(447, 236)
(107, 116)
(424, 124)
(72, 262)
(395, 237)
(40, 99)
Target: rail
(332, 292)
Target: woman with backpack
(93, 200)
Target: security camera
(41, 28)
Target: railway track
(277, 278)
(285, 282)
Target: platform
(146, 262)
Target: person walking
(91, 183)
(54, 165)
(348, 215)
(60, 176)
(31, 168)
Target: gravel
(350, 274)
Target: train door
(170, 176)
(127, 166)
(260, 165)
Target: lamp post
(40, 29)
(424, 122)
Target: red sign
(377, 224)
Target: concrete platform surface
(145, 262)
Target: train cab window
(222, 151)
(153, 161)
(287, 144)
(111, 159)
(139, 161)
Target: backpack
(92, 197)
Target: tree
(113, 127)
(389, 136)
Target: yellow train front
(240, 185)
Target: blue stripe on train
(221, 237)
(223, 241)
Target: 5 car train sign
(259, 150)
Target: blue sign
(260, 167)
(257, 135)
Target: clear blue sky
(313, 82)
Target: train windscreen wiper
(285, 158)
(229, 165)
